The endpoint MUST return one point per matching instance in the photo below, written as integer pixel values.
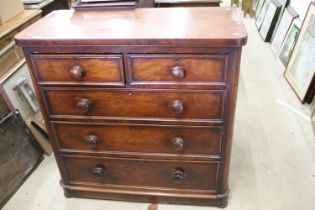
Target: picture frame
(261, 16)
(255, 4)
(288, 44)
(270, 20)
(285, 23)
(313, 120)
(259, 8)
(284, 4)
(301, 67)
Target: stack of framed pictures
(258, 8)
(293, 44)
(289, 15)
(287, 46)
(262, 9)
(270, 20)
(301, 66)
(267, 18)
(284, 4)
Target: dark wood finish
(76, 72)
(179, 104)
(84, 105)
(144, 195)
(178, 72)
(143, 173)
(88, 69)
(203, 26)
(134, 138)
(174, 70)
(164, 135)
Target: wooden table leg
(237, 2)
(247, 6)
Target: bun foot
(223, 204)
(67, 194)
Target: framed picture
(313, 120)
(286, 21)
(259, 8)
(301, 67)
(284, 4)
(255, 4)
(269, 21)
(262, 14)
(288, 44)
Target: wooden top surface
(17, 21)
(150, 26)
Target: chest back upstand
(139, 104)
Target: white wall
(300, 6)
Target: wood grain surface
(165, 134)
(149, 140)
(196, 68)
(142, 173)
(105, 69)
(181, 26)
(136, 103)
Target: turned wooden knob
(76, 72)
(84, 105)
(178, 72)
(178, 174)
(177, 106)
(99, 171)
(178, 143)
(92, 139)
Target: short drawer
(145, 104)
(178, 70)
(193, 175)
(78, 69)
(139, 139)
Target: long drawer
(193, 175)
(139, 139)
(124, 103)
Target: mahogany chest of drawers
(140, 103)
